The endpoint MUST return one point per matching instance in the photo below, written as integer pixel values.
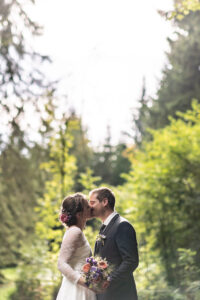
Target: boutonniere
(101, 238)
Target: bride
(74, 249)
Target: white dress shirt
(109, 218)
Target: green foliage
(88, 180)
(151, 282)
(8, 286)
(21, 79)
(110, 162)
(2, 278)
(139, 116)
(183, 8)
(39, 277)
(6, 291)
(61, 167)
(32, 292)
(160, 198)
(191, 273)
(37, 274)
(21, 82)
(165, 186)
(80, 149)
(18, 188)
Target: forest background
(155, 179)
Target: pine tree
(18, 197)
(21, 79)
(180, 82)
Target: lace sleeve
(71, 241)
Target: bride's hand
(81, 281)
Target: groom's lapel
(98, 245)
(95, 248)
(108, 227)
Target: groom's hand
(105, 284)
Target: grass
(9, 286)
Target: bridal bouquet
(96, 272)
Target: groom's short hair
(104, 192)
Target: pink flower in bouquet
(86, 268)
(102, 265)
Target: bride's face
(87, 210)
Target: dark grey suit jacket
(120, 250)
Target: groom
(119, 246)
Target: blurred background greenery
(156, 179)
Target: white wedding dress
(74, 250)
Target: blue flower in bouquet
(93, 269)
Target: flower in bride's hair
(64, 218)
(86, 268)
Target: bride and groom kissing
(118, 247)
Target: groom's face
(97, 207)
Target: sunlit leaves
(181, 9)
(61, 168)
(165, 182)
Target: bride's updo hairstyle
(71, 205)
